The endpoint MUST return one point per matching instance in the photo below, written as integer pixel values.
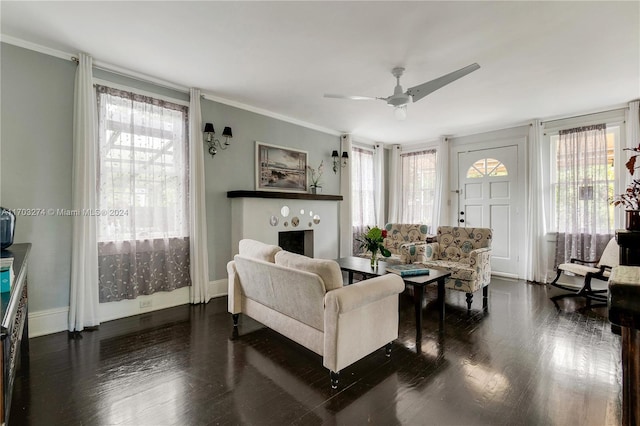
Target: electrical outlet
(145, 304)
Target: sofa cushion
(258, 250)
(328, 270)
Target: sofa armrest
(413, 252)
(480, 259)
(359, 319)
(431, 251)
(355, 296)
(234, 298)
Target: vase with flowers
(630, 199)
(314, 177)
(373, 241)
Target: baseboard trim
(218, 288)
(504, 275)
(48, 321)
(51, 321)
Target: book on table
(408, 270)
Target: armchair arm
(584, 262)
(355, 296)
(480, 259)
(413, 252)
(431, 251)
(359, 319)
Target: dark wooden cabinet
(629, 243)
(14, 329)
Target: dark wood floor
(524, 362)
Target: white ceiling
(538, 59)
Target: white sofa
(304, 300)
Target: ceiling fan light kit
(400, 99)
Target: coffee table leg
(441, 302)
(350, 277)
(418, 294)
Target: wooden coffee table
(362, 266)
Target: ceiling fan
(400, 99)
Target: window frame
(612, 119)
(136, 91)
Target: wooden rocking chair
(599, 269)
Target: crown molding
(270, 114)
(150, 79)
(36, 47)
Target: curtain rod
(584, 115)
(135, 75)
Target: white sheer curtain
(395, 185)
(198, 249)
(583, 220)
(363, 206)
(83, 297)
(378, 191)
(418, 187)
(143, 241)
(534, 260)
(440, 215)
(632, 118)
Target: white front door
(489, 197)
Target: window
(582, 179)
(363, 193)
(143, 235)
(487, 167)
(419, 186)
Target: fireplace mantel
(283, 195)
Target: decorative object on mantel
(336, 160)
(284, 211)
(273, 220)
(7, 227)
(214, 144)
(630, 199)
(315, 176)
(280, 169)
(295, 221)
(372, 241)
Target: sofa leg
(235, 319)
(485, 297)
(469, 300)
(387, 349)
(335, 375)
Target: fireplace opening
(300, 242)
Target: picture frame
(280, 168)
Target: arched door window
(487, 167)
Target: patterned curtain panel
(582, 244)
(363, 212)
(584, 185)
(143, 226)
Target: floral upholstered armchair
(466, 253)
(402, 240)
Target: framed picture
(280, 169)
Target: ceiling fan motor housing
(398, 99)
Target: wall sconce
(214, 144)
(336, 160)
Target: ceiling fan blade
(420, 91)
(353, 98)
